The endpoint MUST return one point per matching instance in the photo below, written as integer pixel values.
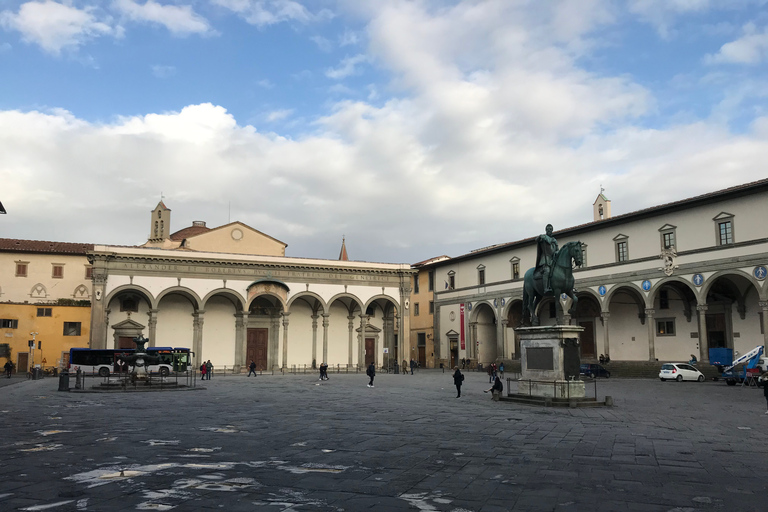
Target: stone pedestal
(550, 358)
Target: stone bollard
(64, 381)
(79, 379)
(609, 401)
(496, 396)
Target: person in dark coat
(324, 371)
(497, 388)
(252, 368)
(371, 372)
(765, 391)
(208, 370)
(458, 379)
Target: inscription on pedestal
(540, 358)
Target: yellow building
(45, 294)
(422, 313)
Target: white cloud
(265, 83)
(178, 19)
(279, 115)
(264, 13)
(322, 43)
(163, 71)
(349, 38)
(349, 66)
(55, 27)
(751, 48)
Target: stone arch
(682, 288)
(348, 296)
(483, 332)
(731, 300)
(513, 312)
(81, 292)
(39, 291)
(380, 297)
(344, 312)
(132, 288)
(185, 292)
(629, 288)
(383, 330)
(238, 301)
(304, 296)
(626, 335)
(272, 287)
(710, 281)
(587, 315)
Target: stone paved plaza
(294, 443)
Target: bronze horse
(561, 280)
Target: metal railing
(562, 386)
(130, 380)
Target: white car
(680, 372)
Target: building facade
(422, 313)
(45, 293)
(658, 284)
(231, 295)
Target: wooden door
(588, 339)
(423, 357)
(370, 351)
(23, 362)
(256, 350)
(125, 342)
(716, 330)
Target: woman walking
(458, 378)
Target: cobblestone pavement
(294, 443)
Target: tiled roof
(753, 186)
(189, 232)
(15, 245)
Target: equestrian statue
(553, 274)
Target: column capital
(650, 312)
(605, 314)
(763, 304)
(702, 307)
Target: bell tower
(601, 208)
(160, 223)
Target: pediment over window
(452, 334)
(620, 237)
(667, 227)
(128, 325)
(723, 216)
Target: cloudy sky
(413, 128)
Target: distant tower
(343, 254)
(160, 224)
(602, 206)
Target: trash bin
(397, 368)
(37, 374)
(64, 381)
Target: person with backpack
(371, 372)
(458, 379)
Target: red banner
(461, 325)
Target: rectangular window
(451, 282)
(8, 324)
(431, 280)
(725, 229)
(416, 283)
(44, 312)
(415, 309)
(663, 299)
(58, 272)
(481, 276)
(668, 239)
(622, 252)
(431, 308)
(89, 272)
(71, 328)
(516, 270)
(665, 327)
(21, 269)
(421, 339)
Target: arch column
(285, 315)
(604, 316)
(361, 341)
(404, 324)
(651, 333)
(241, 337)
(701, 317)
(500, 342)
(99, 311)
(351, 327)
(314, 340)
(198, 318)
(274, 341)
(472, 348)
(764, 307)
(106, 329)
(326, 323)
(152, 313)
(504, 341)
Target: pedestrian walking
(458, 379)
(501, 369)
(252, 368)
(208, 369)
(371, 372)
(405, 367)
(413, 363)
(765, 391)
(324, 371)
(8, 368)
(203, 370)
